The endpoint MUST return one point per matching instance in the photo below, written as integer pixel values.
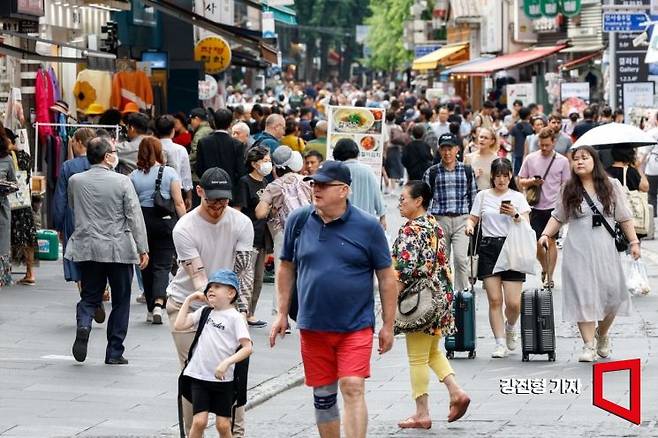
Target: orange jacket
(131, 87)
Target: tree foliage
(385, 37)
(336, 22)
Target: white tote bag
(519, 251)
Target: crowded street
(45, 393)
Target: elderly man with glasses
(109, 238)
(334, 240)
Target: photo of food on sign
(366, 143)
(357, 120)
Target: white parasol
(613, 135)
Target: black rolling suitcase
(537, 323)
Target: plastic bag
(519, 251)
(637, 280)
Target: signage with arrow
(624, 22)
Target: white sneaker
(602, 345)
(511, 339)
(499, 351)
(149, 317)
(589, 353)
(157, 315)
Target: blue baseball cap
(332, 171)
(226, 277)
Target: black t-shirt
(632, 176)
(519, 132)
(248, 197)
(582, 127)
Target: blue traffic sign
(624, 22)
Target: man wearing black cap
(453, 191)
(333, 239)
(212, 236)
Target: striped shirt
(451, 194)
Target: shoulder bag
(533, 193)
(621, 242)
(417, 304)
(639, 205)
(166, 206)
(22, 198)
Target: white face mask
(265, 168)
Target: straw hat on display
(95, 109)
(61, 107)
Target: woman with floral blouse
(415, 256)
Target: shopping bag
(519, 250)
(637, 280)
(23, 197)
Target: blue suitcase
(464, 311)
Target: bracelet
(633, 242)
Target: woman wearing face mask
(250, 188)
(591, 267)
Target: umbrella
(613, 135)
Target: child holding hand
(213, 360)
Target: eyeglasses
(322, 186)
(216, 201)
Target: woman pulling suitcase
(425, 280)
(496, 209)
(592, 276)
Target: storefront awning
(511, 60)
(445, 74)
(16, 52)
(583, 49)
(446, 55)
(570, 65)
(236, 36)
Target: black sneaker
(99, 314)
(80, 344)
(257, 324)
(117, 361)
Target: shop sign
(637, 95)
(208, 88)
(30, 7)
(570, 8)
(550, 8)
(214, 52)
(523, 92)
(532, 8)
(574, 89)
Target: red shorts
(328, 356)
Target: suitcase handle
(547, 260)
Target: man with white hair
(320, 142)
(240, 131)
(275, 128)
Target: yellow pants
(424, 353)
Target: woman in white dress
(592, 277)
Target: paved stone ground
(45, 393)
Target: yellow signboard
(215, 52)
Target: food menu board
(363, 125)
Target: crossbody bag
(533, 193)
(621, 242)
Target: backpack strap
(468, 169)
(181, 379)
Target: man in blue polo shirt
(334, 248)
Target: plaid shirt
(450, 192)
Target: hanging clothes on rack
(44, 99)
(57, 92)
(131, 86)
(92, 86)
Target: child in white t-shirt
(214, 357)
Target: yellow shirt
(293, 142)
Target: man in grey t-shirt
(562, 142)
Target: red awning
(511, 60)
(580, 61)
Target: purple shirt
(536, 164)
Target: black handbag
(166, 206)
(621, 242)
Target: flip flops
(410, 423)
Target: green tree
(333, 24)
(385, 37)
